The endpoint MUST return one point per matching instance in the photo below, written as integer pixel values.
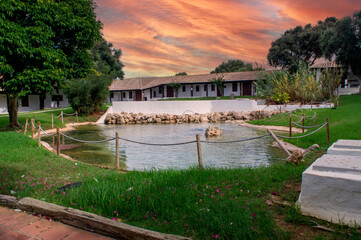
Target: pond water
(139, 157)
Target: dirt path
(272, 128)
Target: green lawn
(201, 204)
(345, 122)
(44, 117)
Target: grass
(202, 204)
(44, 117)
(207, 204)
(206, 98)
(345, 122)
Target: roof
(327, 64)
(142, 83)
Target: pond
(140, 157)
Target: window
(131, 94)
(160, 90)
(123, 94)
(56, 98)
(213, 88)
(234, 87)
(154, 94)
(205, 87)
(197, 88)
(25, 101)
(111, 95)
(183, 88)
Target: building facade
(30, 103)
(190, 86)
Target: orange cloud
(164, 37)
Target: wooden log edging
(84, 220)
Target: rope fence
(197, 141)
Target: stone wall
(138, 118)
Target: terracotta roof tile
(149, 82)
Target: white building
(191, 86)
(30, 103)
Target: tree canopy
(343, 42)
(42, 43)
(235, 65)
(338, 39)
(301, 44)
(181, 74)
(87, 95)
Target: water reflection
(140, 157)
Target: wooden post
(117, 149)
(259, 116)
(280, 109)
(52, 121)
(279, 142)
(199, 150)
(290, 131)
(39, 138)
(328, 131)
(303, 123)
(76, 114)
(32, 128)
(62, 117)
(26, 126)
(58, 142)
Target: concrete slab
(338, 164)
(331, 186)
(345, 147)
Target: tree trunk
(12, 102)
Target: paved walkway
(22, 226)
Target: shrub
(89, 94)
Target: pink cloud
(163, 37)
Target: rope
(157, 144)
(234, 141)
(49, 135)
(34, 125)
(307, 126)
(83, 141)
(299, 120)
(303, 135)
(70, 114)
(59, 115)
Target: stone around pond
(213, 131)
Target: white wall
(3, 104)
(178, 107)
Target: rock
(158, 120)
(213, 131)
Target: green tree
(344, 43)
(219, 82)
(297, 46)
(181, 74)
(87, 95)
(235, 65)
(42, 43)
(176, 86)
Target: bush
(88, 95)
(282, 87)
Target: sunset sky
(164, 37)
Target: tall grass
(282, 87)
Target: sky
(164, 37)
